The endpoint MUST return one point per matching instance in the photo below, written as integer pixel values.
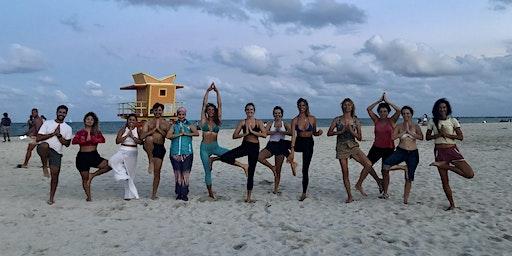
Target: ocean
(112, 127)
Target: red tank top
(383, 135)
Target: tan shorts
(347, 149)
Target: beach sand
(276, 224)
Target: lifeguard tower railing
(140, 108)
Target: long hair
(352, 113)
(302, 100)
(435, 110)
(215, 116)
(95, 126)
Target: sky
(80, 53)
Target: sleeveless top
(448, 125)
(277, 136)
(346, 135)
(181, 145)
(128, 140)
(206, 128)
(383, 135)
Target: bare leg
(346, 180)
(262, 158)
(407, 191)
(43, 150)
(277, 174)
(245, 167)
(385, 184)
(293, 164)
(103, 167)
(461, 168)
(86, 184)
(446, 187)
(30, 147)
(248, 197)
(210, 191)
(53, 183)
(367, 168)
(148, 147)
(156, 177)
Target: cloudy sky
(269, 52)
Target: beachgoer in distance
(34, 124)
(5, 127)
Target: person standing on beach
(88, 139)
(34, 124)
(406, 151)
(444, 130)
(181, 153)
(277, 146)
(210, 122)
(303, 129)
(5, 126)
(348, 129)
(383, 145)
(52, 136)
(250, 129)
(153, 133)
(124, 162)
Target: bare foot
(436, 164)
(452, 207)
(349, 200)
(151, 167)
(380, 183)
(399, 167)
(276, 192)
(21, 166)
(154, 197)
(246, 169)
(50, 202)
(210, 162)
(249, 201)
(212, 195)
(46, 173)
(88, 199)
(294, 168)
(303, 197)
(406, 201)
(360, 189)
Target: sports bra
(129, 140)
(206, 128)
(277, 136)
(256, 128)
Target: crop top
(448, 125)
(81, 138)
(206, 128)
(129, 140)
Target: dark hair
(305, 102)
(409, 108)
(95, 126)
(215, 117)
(35, 109)
(435, 110)
(128, 117)
(5, 114)
(156, 105)
(278, 107)
(352, 113)
(250, 104)
(384, 105)
(62, 107)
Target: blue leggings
(207, 150)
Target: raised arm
(370, 108)
(205, 102)
(219, 101)
(396, 115)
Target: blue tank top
(181, 145)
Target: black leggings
(249, 149)
(305, 145)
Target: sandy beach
(276, 224)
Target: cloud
(251, 59)
(47, 80)
(111, 53)
(93, 89)
(314, 14)
(73, 23)
(500, 5)
(332, 68)
(61, 96)
(22, 59)
(224, 8)
(416, 59)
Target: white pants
(123, 165)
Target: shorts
(86, 160)
(54, 158)
(6, 129)
(410, 157)
(448, 154)
(347, 149)
(277, 148)
(159, 151)
(377, 153)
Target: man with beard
(153, 133)
(52, 135)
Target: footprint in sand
(265, 182)
(240, 246)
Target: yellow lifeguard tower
(151, 90)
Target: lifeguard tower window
(163, 92)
